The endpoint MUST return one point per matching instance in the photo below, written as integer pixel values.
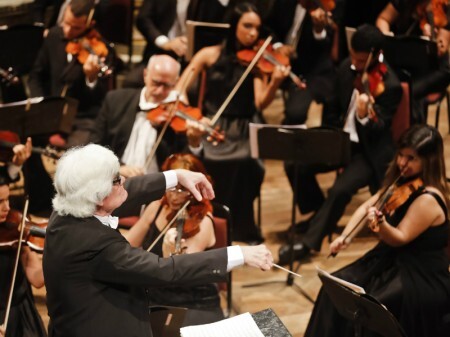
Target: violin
(434, 13)
(34, 233)
(394, 197)
(181, 114)
(326, 5)
(268, 61)
(371, 82)
(9, 139)
(90, 44)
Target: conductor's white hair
(83, 179)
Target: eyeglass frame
(117, 180)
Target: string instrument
(326, 5)
(392, 198)
(9, 139)
(181, 114)
(434, 13)
(8, 76)
(268, 61)
(371, 82)
(90, 44)
(33, 236)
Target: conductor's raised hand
(258, 257)
(196, 183)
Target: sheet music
(33, 100)
(352, 286)
(238, 326)
(253, 134)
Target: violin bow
(382, 199)
(241, 80)
(167, 122)
(166, 227)
(16, 264)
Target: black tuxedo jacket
(96, 282)
(51, 72)
(376, 136)
(156, 17)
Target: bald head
(160, 77)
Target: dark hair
(234, 16)
(81, 7)
(4, 179)
(428, 144)
(367, 38)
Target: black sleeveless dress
(202, 301)
(24, 319)
(412, 281)
(237, 177)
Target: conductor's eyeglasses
(117, 180)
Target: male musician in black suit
(59, 73)
(306, 38)
(163, 24)
(123, 126)
(95, 280)
(370, 135)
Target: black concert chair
(223, 232)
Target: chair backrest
(402, 117)
(223, 233)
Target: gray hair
(83, 179)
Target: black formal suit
(369, 157)
(115, 121)
(96, 282)
(52, 71)
(313, 61)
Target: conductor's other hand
(257, 256)
(196, 183)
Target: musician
(133, 141)
(238, 177)
(404, 17)
(304, 35)
(202, 301)
(408, 270)
(95, 280)
(163, 24)
(59, 73)
(370, 134)
(21, 152)
(24, 319)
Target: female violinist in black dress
(237, 176)
(408, 271)
(23, 319)
(202, 301)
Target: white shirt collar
(145, 106)
(108, 220)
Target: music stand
(321, 146)
(362, 309)
(166, 321)
(399, 49)
(39, 116)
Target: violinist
(408, 270)
(238, 177)
(429, 18)
(58, 71)
(202, 301)
(24, 319)
(94, 279)
(133, 141)
(366, 117)
(304, 33)
(11, 166)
